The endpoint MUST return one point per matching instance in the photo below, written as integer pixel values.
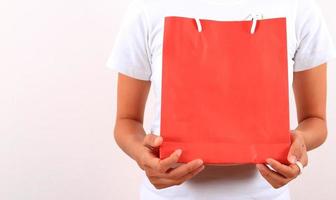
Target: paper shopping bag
(225, 90)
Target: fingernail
(268, 161)
(179, 152)
(261, 166)
(200, 162)
(157, 140)
(292, 159)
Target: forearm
(314, 131)
(129, 135)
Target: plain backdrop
(58, 101)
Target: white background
(58, 101)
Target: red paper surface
(225, 91)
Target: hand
(285, 173)
(161, 173)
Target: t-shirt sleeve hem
(128, 72)
(311, 61)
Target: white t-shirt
(138, 54)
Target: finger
(304, 159)
(161, 166)
(184, 169)
(163, 182)
(295, 169)
(296, 149)
(150, 160)
(275, 179)
(167, 163)
(159, 182)
(193, 173)
(152, 140)
(282, 169)
(295, 153)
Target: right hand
(161, 173)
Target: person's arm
(310, 96)
(143, 148)
(131, 99)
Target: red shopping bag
(225, 91)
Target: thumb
(292, 158)
(152, 140)
(294, 153)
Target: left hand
(285, 173)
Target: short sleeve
(130, 53)
(315, 45)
